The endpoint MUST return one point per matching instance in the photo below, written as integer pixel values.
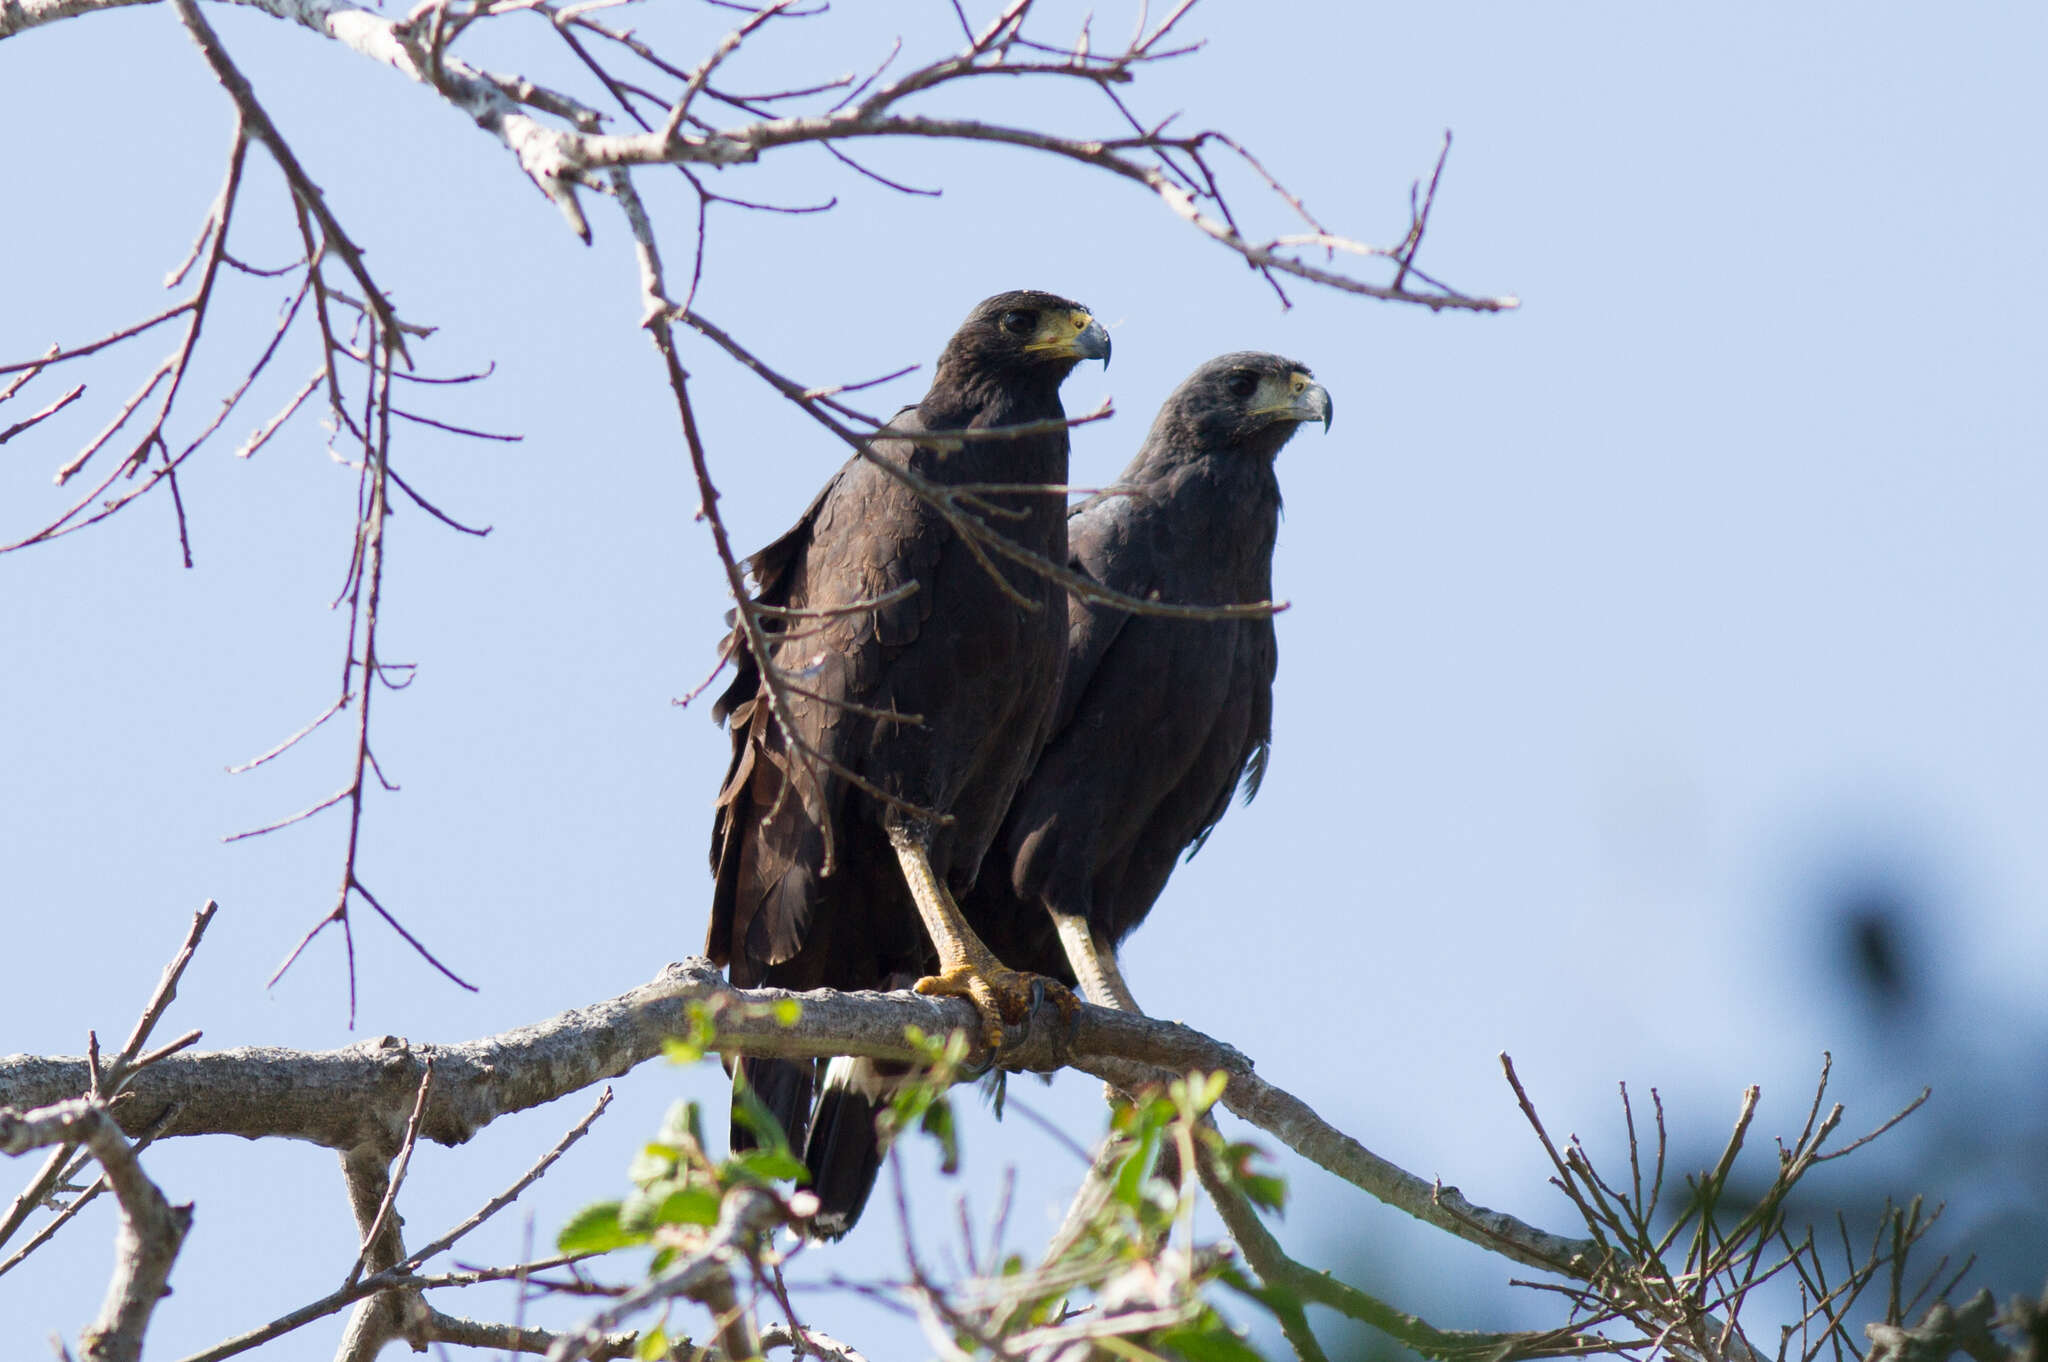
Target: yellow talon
(1002, 995)
(967, 968)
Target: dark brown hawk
(939, 696)
(1159, 719)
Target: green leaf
(680, 1051)
(770, 1165)
(1236, 1280)
(1267, 1192)
(653, 1345)
(688, 1206)
(788, 1011)
(651, 1164)
(938, 1123)
(909, 1103)
(750, 1111)
(702, 1029)
(1208, 1345)
(1131, 1180)
(596, 1229)
(636, 1212)
(1273, 1298)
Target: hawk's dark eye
(1020, 323)
(1243, 383)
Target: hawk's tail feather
(784, 1087)
(845, 1149)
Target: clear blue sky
(1633, 635)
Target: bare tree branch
(560, 146)
(385, 1321)
(150, 1232)
(557, 160)
(1946, 1331)
(704, 1275)
(82, 1199)
(111, 1080)
(341, 1098)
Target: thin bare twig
(86, 1197)
(397, 1177)
(945, 499)
(43, 415)
(402, 1275)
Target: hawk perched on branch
(918, 667)
(1159, 720)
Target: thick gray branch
(18, 16)
(362, 1094)
(381, 1318)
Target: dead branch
(342, 1098)
(559, 144)
(558, 160)
(1945, 1331)
(704, 1275)
(392, 1292)
(151, 1229)
(1692, 1306)
(946, 500)
(112, 1079)
(79, 1202)
(361, 1098)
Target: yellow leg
(1094, 963)
(967, 968)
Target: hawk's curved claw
(1045, 989)
(1004, 997)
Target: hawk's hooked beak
(1303, 400)
(1073, 334)
(1315, 404)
